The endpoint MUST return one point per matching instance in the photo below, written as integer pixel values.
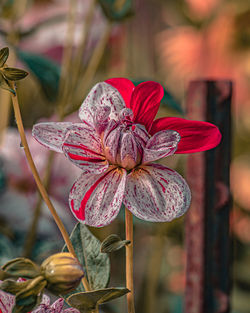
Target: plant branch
(39, 182)
(31, 235)
(129, 260)
(92, 66)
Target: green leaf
(113, 243)
(87, 301)
(13, 73)
(4, 54)
(116, 10)
(168, 99)
(87, 248)
(21, 267)
(45, 70)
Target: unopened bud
(62, 272)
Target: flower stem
(31, 235)
(92, 66)
(39, 182)
(129, 260)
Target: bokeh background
(169, 41)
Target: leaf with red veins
(95, 200)
(83, 147)
(102, 94)
(160, 145)
(145, 102)
(156, 193)
(51, 135)
(196, 136)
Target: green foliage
(113, 243)
(88, 301)
(168, 100)
(95, 263)
(45, 70)
(116, 10)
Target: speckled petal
(7, 302)
(95, 200)
(160, 145)
(102, 94)
(57, 306)
(51, 135)
(83, 147)
(156, 193)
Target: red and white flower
(115, 146)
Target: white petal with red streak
(95, 200)
(160, 145)
(83, 147)
(156, 193)
(51, 135)
(102, 94)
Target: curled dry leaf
(13, 74)
(4, 54)
(21, 267)
(113, 243)
(87, 301)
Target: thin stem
(77, 62)
(67, 55)
(31, 235)
(129, 260)
(39, 182)
(93, 64)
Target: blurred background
(69, 45)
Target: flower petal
(83, 147)
(95, 200)
(156, 193)
(51, 135)
(102, 94)
(196, 136)
(124, 86)
(57, 306)
(160, 145)
(145, 102)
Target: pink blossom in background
(201, 8)
(19, 200)
(115, 146)
(188, 53)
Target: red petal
(145, 102)
(196, 136)
(124, 86)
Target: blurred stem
(129, 261)
(93, 64)
(67, 55)
(154, 267)
(31, 235)
(39, 181)
(77, 62)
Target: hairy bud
(62, 272)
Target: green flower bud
(62, 272)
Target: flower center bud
(124, 141)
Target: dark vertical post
(207, 223)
